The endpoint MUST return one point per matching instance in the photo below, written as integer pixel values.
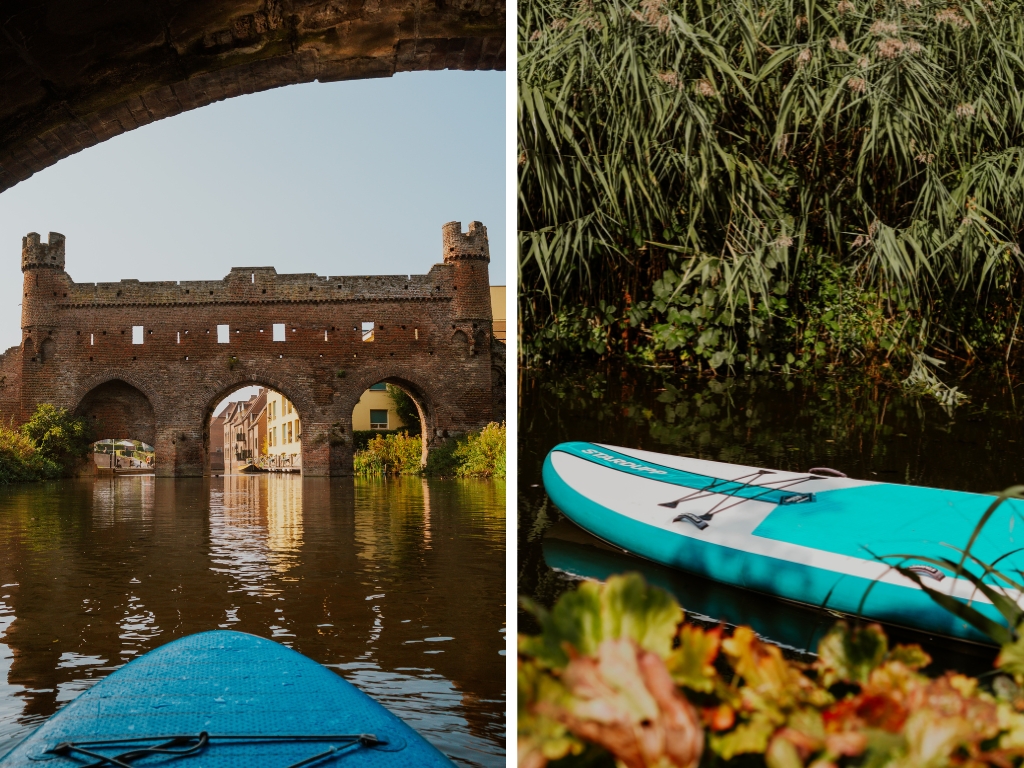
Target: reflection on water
(864, 429)
(397, 584)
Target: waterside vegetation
(49, 446)
(750, 186)
(616, 677)
(477, 454)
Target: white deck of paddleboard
(639, 498)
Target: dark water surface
(396, 584)
(864, 429)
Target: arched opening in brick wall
(253, 428)
(391, 406)
(123, 423)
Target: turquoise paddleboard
(219, 699)
(809, 537)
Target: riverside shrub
(58, 436)
(478, 454)
(393, 454)
(46, 447)
(483, 454)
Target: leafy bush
(58, 436)
(483, 454)
(392, 454)
(616, 677)
(48, 446)
(362, 437)
(19, 460)
(478, 454)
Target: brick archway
(298, 397)
(184, 345)
(75, 75)
(429, 403)
(116, 410)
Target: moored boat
(816, 537)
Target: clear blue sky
(352, 178)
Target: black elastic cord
(121, 760)
(201, 741)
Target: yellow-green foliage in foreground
(483, 454)
(478, 454)
(394, 454)
(616, 677)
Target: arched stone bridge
(78, 72)
(151, 361)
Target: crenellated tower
(45, 283)
(469, 254)
(45, 280)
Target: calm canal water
(398, 585)
(864, 429)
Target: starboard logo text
(622, 462)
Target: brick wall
(431, 336)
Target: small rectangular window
(289, 431)
(367, 331)
(380, 386)
(223, 334)
(278, 331)
(378, 419)
(137, 333)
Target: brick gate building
(150, 361)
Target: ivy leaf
(624, 607)
(910, 656)
(692, 663)
(540, 738)
(851, 655)
(749, 737)
(1011, 658)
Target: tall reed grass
(716, 155)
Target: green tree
(405, 408)
(58, 436)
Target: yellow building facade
(284, 433)
(376, 410)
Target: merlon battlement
(264, 284)
(35, 254)
(459, 246)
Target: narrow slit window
(367, 331)
(223, 334)
(137, 334)
(417, 332)
(278, 331)
(92, 340)
(179, 337)
(325, 335)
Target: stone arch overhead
(74, 78)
